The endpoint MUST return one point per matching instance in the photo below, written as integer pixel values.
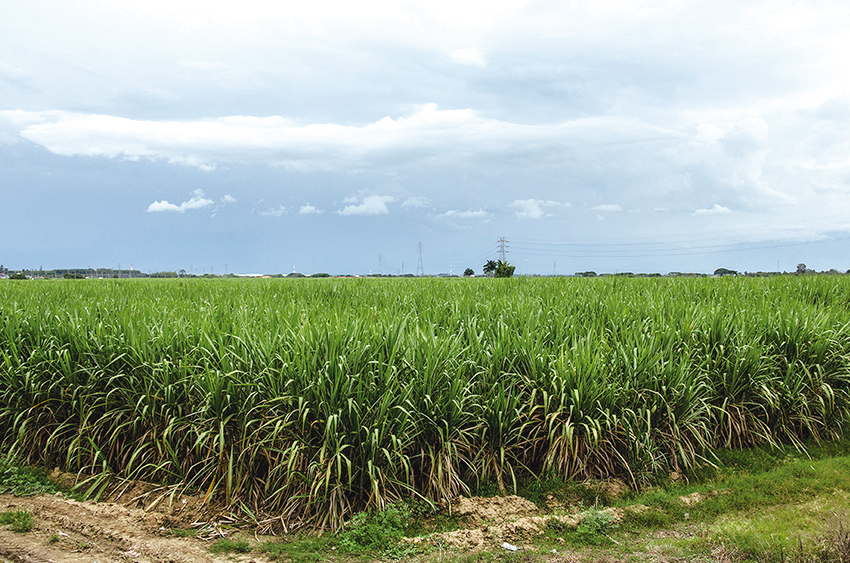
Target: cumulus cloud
(534, 208)
(609, 207)
(274, 212)
(371, 205)
(714, 210)
(468, 214)
(414, 202)
(198, 201)
(228, 199)
(309, 210)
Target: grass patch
(497, 557)
(595, 526)
(794, 482)
(651, 517)
(784, 529)
(767, 506)
(18, 520)
(594, 529)
(227, 545)
(375, 531)
(23, 481)
(183, 532)
(304, 549)
(767, 479)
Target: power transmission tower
(420, 268)
(503, 249)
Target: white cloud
(472, 57)
(415, 202)
(468, 214)
(607, 207)
(428, 133)
(371, 205)
(204, 66)
(533, 208)
(715, 210)
(228, 199)
(309, 210)
(198, 201)
(272, 212)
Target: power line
(710, 239)
(653, 250)
(716, 242)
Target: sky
(356, 137)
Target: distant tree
(18, 276)
(801, 269)
(490, 267)
(70, 276)
(468, 272)
(182, 273)
(725, 272)
(588, 274)
(504, 270)
(321, 275)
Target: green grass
(379, 532)
(765, 506)
(227, 545)
(747, 489)
(307, 549)
(183, 532)
(23, 481)
(320, 399)
(18, 520)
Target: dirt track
(105, 532)
(76, 532)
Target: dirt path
(76, 532)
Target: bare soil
(138, 528)
(76, 532)
(134, 523)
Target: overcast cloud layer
(606, 135)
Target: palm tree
(504, 270)
(490, 267)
